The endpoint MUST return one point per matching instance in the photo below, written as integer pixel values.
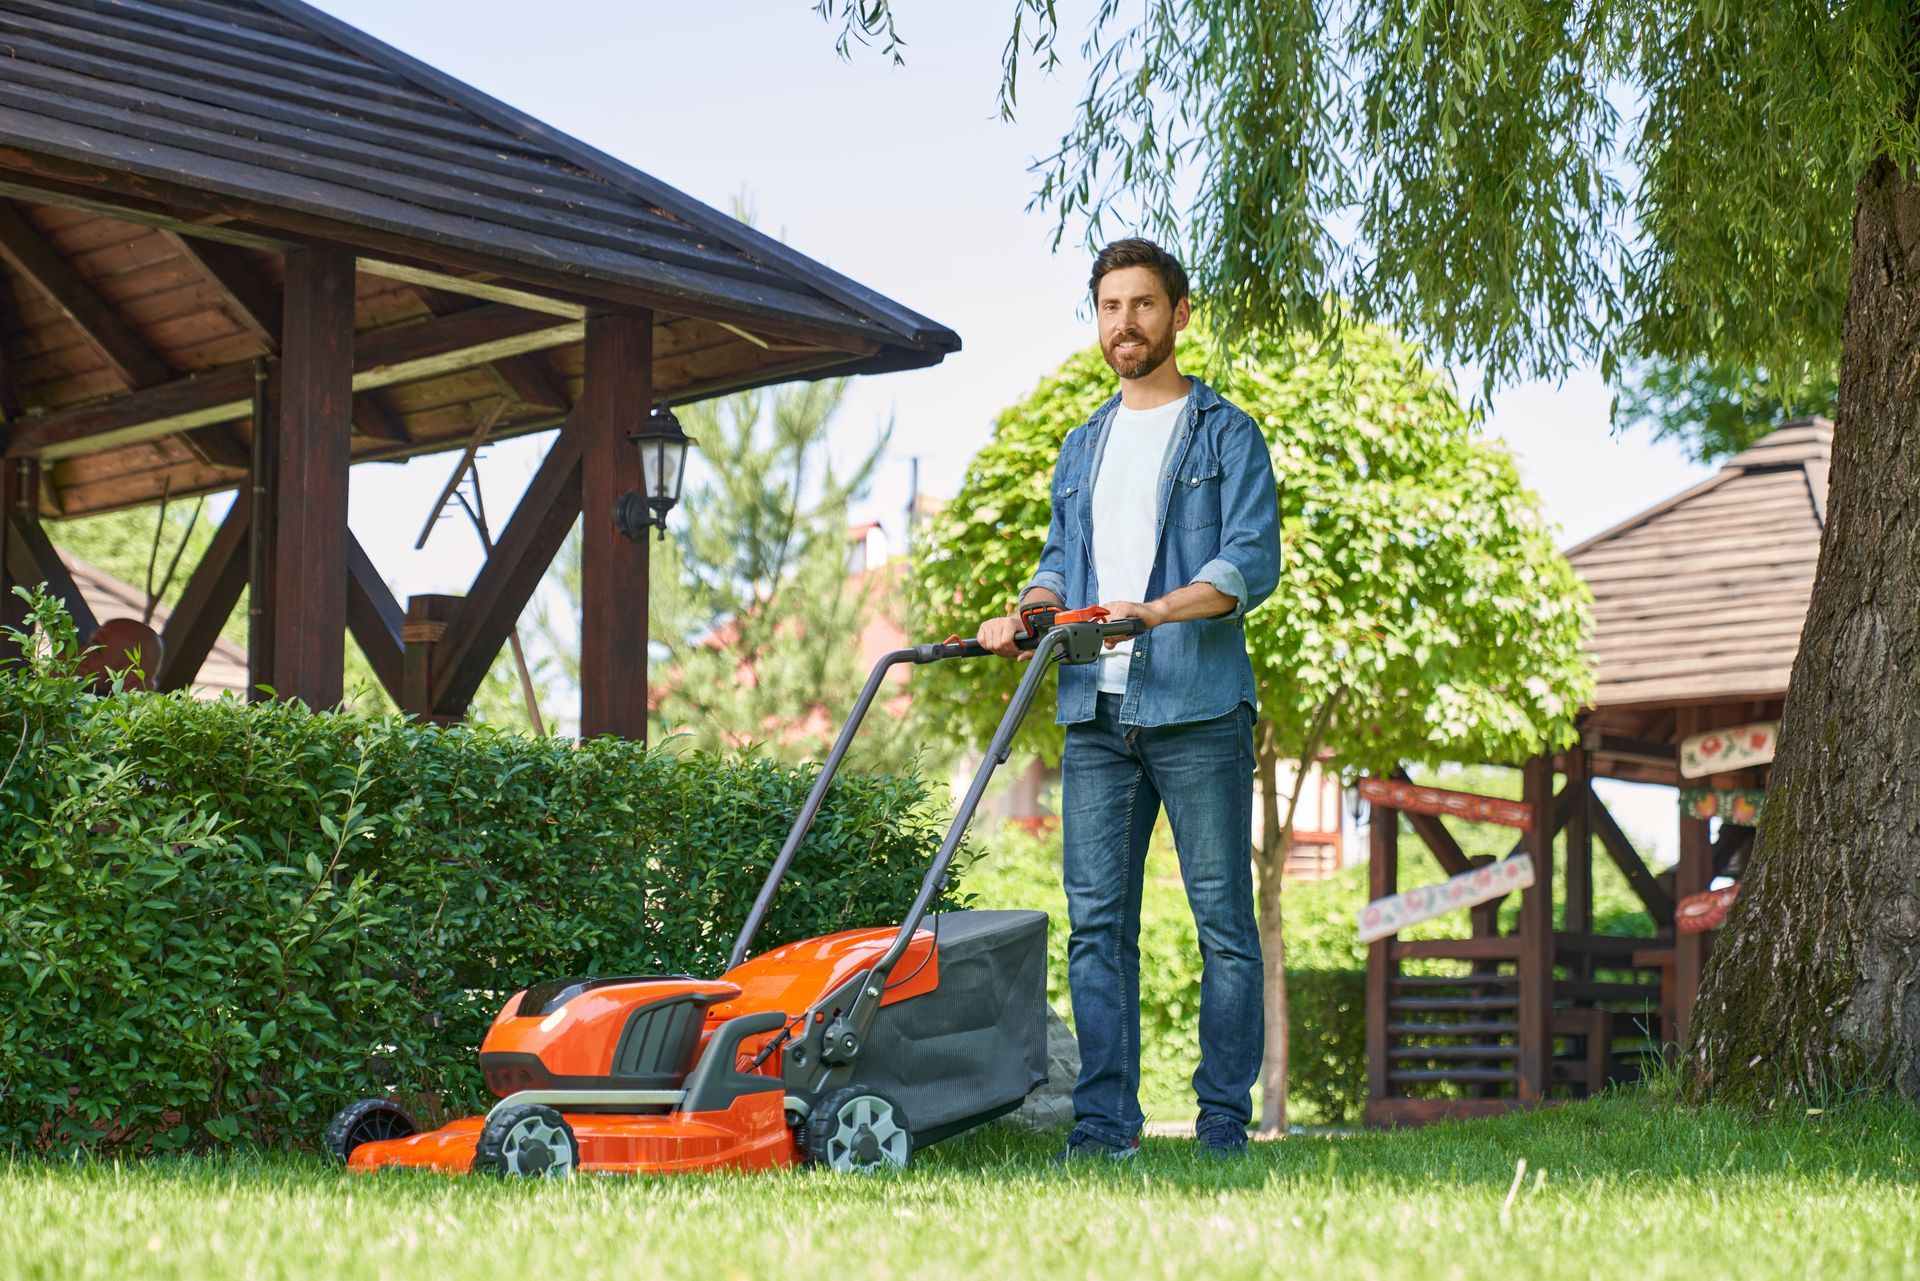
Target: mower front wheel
(367, 1121)
(857, 1129)
(529, 1141)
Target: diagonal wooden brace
(208, 599)
(513, 571)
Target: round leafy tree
(1423, 613)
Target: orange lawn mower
(848, 1051)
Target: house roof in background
(224, 671)
(1701, 598)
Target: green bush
(220, 921)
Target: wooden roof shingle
(1701, 598)
(159, 158)
(277, 105)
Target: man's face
(1137, 321)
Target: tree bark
(1812, 988)
(1270, 862)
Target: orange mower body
(849, 1051)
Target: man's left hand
(1150, 614)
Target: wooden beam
(19, 498)
(1692, 875)
(1728, 845)
(1579, 913)
(381, 359)
(1659, 903)
(1638, 750)
(513, 570)
(249, 297)
(374, 420)
(1535, 963)
(33, 559)
(1383, 880)
(408, 353)
(485, 287)
(68, 291)
(208, 600)
(374, 617)
(1434, 835)
(616, 397)
(520, 378)
(312, 427)
(1413, 798)
(218, 446)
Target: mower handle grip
(1039, 620)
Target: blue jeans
(1116, 777)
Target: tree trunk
(1812, 987)
(1270, 860)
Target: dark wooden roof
(1701, 599)
(157, 156)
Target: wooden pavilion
(246, 246)
(1699, 603)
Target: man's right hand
(998, 636)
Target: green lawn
(1617, 1188)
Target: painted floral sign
(1390, 915)
(1720, 750)
(1698, 913)
(1737, 805)
(1438, 801)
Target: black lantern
(663, 465)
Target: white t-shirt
(1126, 494)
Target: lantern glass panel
(673, 467)
(652, 470)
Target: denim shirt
(1218, 522)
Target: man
(1164, 509)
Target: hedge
(223, 920)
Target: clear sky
(902, 178)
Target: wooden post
(30, 556)
(1579, 785)
(17, 486)
(1693, 875)
(1535, 964)
(1383, 879)
(308, 622)
(616, 397)
(421, 634)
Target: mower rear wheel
(367, 1121)
(527, 1141)
(858, 1129)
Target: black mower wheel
(529, 1141)
(859, 1130)
(367, 1121)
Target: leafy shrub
(221, 921)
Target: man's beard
(1138, 366)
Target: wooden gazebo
(1698, 608)
(246, 245)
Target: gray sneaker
(1082, 1146)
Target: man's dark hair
(1137, 252)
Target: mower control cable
(766, 1051)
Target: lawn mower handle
(1077, 637)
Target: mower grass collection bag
(976, 1046)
